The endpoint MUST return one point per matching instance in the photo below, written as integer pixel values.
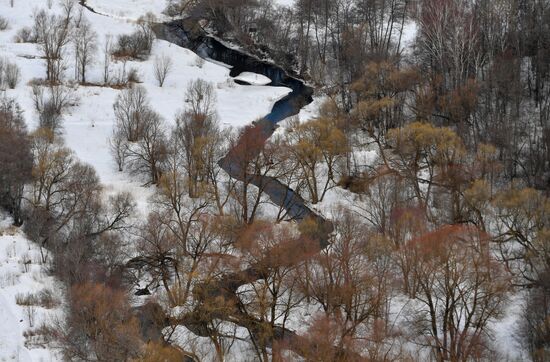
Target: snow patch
(253, 78)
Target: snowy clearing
(22, 274)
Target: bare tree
(15, 158)
(201, 98)
(53, 34)
(460, 289)
(314, 145)
(85, 46)
(146, 156)
(162, 66)
(99, 325)
(3, 23)
(129, 107)
(272, 251)
(68, 211)
(523, 219)
(50, 107)
(248, 162)
(107, 54)
(197, 138)
(12, 75)
(533, 331)
(119, 148)
(449, 39)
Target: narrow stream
(280, 194)
(301, 95)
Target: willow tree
(317, 147)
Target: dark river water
(280, 194)
(301, 95)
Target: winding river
(226, 286)
(280, 194)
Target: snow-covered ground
(22, 274)
(134, 9)
(128, 9)
(253, 78)
(285, 2)
(88, 126)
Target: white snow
(128, 9)
(88, 126)
(253, 78)
(22, 273)
(410, 32)
(285, 2)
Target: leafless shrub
(12, 74)
(136, 45)
(133, 76)
(50, 107)
(9, 74)
(123, 78)
(30, 313)
(162, 67)
(26, 261)
(199, 62)
(9, 279)
(37, 337)
(45, 299)
(177, 8)
(3, 23)
(99, 322)
(25, 35)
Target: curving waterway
(300, 96)
(226, 286)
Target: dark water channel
(211, 48)
(300, 96)
(280, 194)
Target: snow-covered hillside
(87, 127)
(89, 124)
(28, 297)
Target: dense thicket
(429, 154)
(15, 158)
(484, 64)
(459, 119)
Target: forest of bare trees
(429, 157)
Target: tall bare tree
(85, 47)
(53, 34)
